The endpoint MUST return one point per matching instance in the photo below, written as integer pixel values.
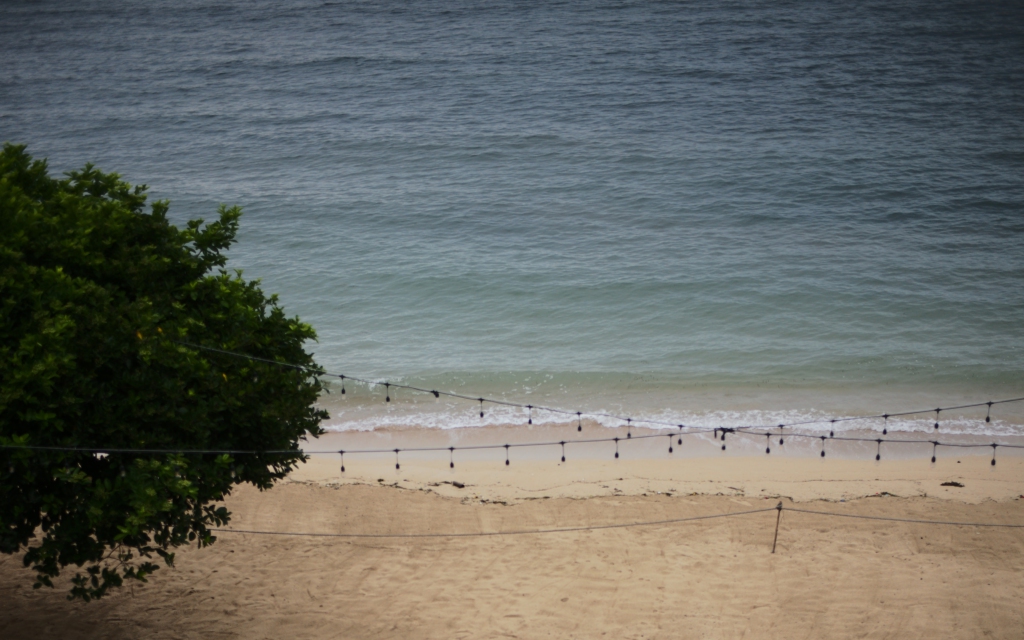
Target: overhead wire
(751, 430)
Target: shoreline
(364, 407)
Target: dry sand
(830, 577)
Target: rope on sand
(779, 508)
(910, 520)
(496, 533)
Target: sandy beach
(831, 577)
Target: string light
(885, 425)
(342, 385)
(747, 430)
(530, 419)
(670, 443)
(317, 371)
(451, 457)
(768, 440)
(832, 431)
(293, 453)
(994, 445)
(506, 455)
(629, 427)
(563, 449)
(878, 455)
(937, 419)
(342, 454)
(481, 407)
(935, 446)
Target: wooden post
(777, 519)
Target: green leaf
(94, 291)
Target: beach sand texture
(716, 578)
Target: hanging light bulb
(342, 385)
(342, 454)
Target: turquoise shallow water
(703, 211)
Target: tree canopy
(100, 300)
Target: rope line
(889, 519)
(649, 523)
(911, 520)
(514, 532)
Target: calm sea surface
(710, 210)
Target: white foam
(363, 418)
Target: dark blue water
(660, 207)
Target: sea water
(706, 212)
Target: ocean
(707, 212)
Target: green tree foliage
(97, 296)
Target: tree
(99, 302)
